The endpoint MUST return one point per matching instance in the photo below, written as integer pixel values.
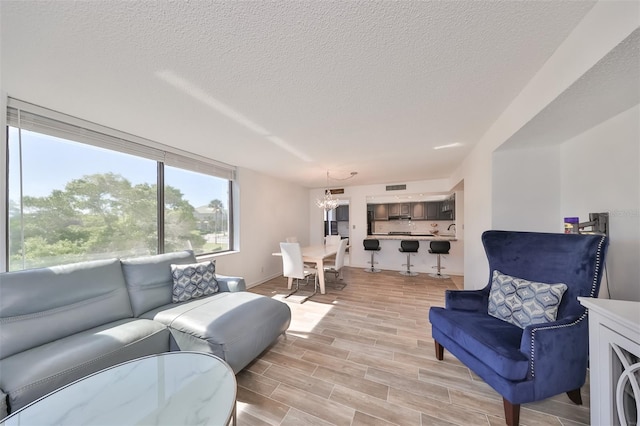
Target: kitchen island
(390, 258)
(413, 237)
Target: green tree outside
(98, 216)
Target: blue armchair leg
(440, 351)
(575, 397)
(511, 413)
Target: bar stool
(409, 246)
(373, 246)
(439, 248)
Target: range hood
(400, 217)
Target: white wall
(526, 190)
(270, 210)
(604, 27)
(597, 171)
(601, 173)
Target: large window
(76, 194)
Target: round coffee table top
(173, 388)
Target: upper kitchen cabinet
(342, 213)
(433, 208)
(417, 211)
(448, 209)
(380, 212)
(399, 209)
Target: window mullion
(160, 207)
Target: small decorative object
(434, 229)
(571, 225)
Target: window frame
(92, 134)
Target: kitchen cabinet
(417, 211)
(447, 210)
(399, 209)
(380, 212)
(342, 214)
(433, 210)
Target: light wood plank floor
(364, 355)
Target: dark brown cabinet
(380, 212)
(417, 211)
(433, 210)
(399, 209)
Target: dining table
(316, 254)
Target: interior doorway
(337, 222)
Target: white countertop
(412, 237)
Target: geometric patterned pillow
(523, 302)
(193, 280)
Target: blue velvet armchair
(540, 360)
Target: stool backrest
(371, 244)
(440, 247)
(409, 245)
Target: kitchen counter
(413, 237)
(391, 259)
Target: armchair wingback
(542, 359)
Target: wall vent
(396, 187)
(336, 191)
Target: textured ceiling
(290, 89)
(610, 87)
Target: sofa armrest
(4, 411)
(231, 284)
(557, 351)
(466, 300)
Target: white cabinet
(614, 360)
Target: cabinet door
(447, 210)
(394, 209)
(433, 210)
(380, 212)
(417, 211)
(405, 209)
(342, 213)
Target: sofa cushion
(237, 327)
(149, 279)
(33, 373)
(494, 341)
(522, 302)
(193, 280)
(38, 306)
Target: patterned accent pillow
(194, 280)
(523, 302)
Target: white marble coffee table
(173, 388)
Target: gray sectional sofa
(62, 323)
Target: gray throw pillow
(521, 302)
(193, 280)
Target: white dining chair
(295, 240)
(336, 267)
(294, 267)
(330, 240)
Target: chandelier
(328, 202)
